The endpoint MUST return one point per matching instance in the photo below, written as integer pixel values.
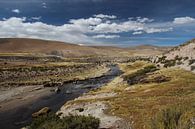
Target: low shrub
(186, 58)
(169, 63)
(192, 68)
(160, 79)
(52, 121)
(161, 59)
(178, 58)
(135, 78)
(191, 62)
(157, 79)
(179, 63)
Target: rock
(68, 92)
(87, 87)
(38, 88)
(25, 127)
(41, 112)
(80, 109)
(57, 90)
(193, 121)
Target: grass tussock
(175, 117)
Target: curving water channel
(18, 113)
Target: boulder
(41, 112)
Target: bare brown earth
(51, 47)
(27, 46)
(145, 50)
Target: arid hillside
(144, 50)
(21, 45)
(54, 48)
(184, 50)
(182, 56)
(45, 47)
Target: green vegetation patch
(52, 121)
(137, 76)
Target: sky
(100, 22)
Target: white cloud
(18, 27)
(105, 16)
(153, 30)
(44, 5)
(183, 20)
(118, 27)
(106, 36)
(157, 30)
(89, 21)
(16, 11)
(84, 30)
(137, 32)
(143, 20)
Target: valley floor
(123, 95)
(161, 99)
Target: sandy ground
(15, 97)
(94, 105)
(12, 93)
(96, 96)
(95, 109)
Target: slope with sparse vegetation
(165, 100)
(182, 56)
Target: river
(18, 113)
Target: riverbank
(16, 111)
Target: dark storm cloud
(158, 9)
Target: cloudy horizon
(100, 27)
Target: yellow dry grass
(140, 104)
